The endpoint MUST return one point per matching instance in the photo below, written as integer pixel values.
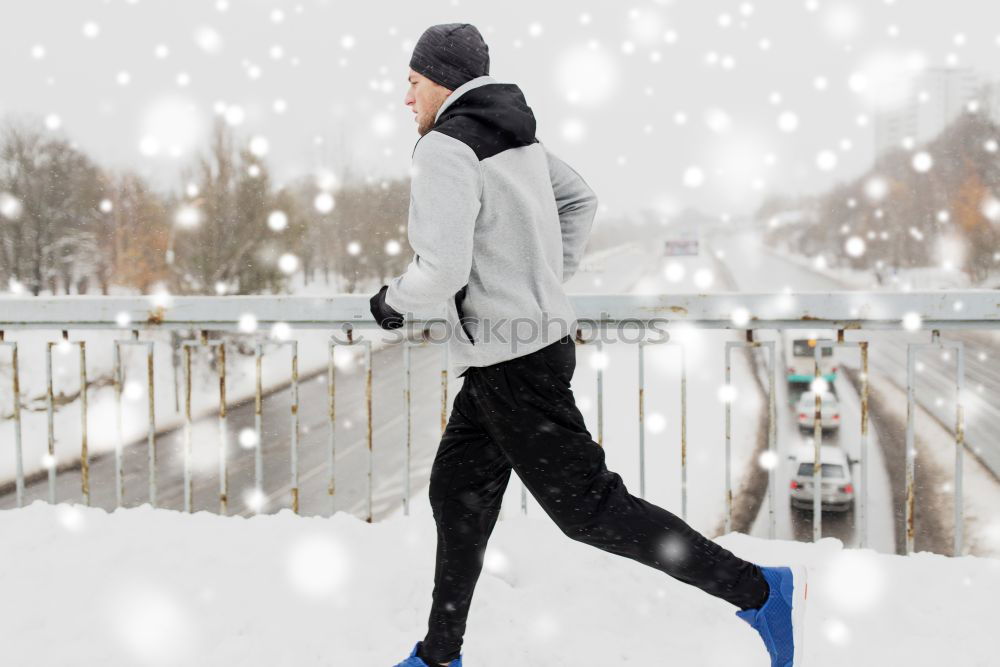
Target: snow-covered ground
(282, 590)
(914, 278)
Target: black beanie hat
(451, 54)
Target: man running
(497, 224)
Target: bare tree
(58, 189)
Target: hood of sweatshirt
(488, 116)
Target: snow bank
(157, 587)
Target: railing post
(331, 395)
(408, 414)
(368, 407)
(220, 347)
(684, 496)
(118, 376)
(18, 446)
(642, 424)
(747, 343)
(50, 410)
(817, 479)
(729, 435)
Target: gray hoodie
(497, 224)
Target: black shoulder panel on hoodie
(489, 119)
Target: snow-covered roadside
(281, 590)
(981, 493)
(918, 278)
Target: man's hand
(384, 314)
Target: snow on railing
(839, 311)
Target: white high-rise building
(939, 95)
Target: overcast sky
(659, 103)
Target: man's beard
(425, 123)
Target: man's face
(425, 97)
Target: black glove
(384, 314)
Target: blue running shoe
(414, 661)
(781, 620)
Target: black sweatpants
(521, 414)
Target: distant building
(939, 95)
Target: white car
(836, 481)
(805, 411)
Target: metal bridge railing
(345, 315)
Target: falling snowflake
(836, 632)
(254, 500)
(694, 177)
(281, 331)
(324, 202)
(259, 146)
(133, 391)
(718, 120)
(855, 246)
(573, 130)
(826, 160)
(876, 188)
(70, 517)
(788, 121)
(768, 460)
(235, 115)
(188, 217)
(248, 438)
(288, 263)
(819, 386)
(922, 162)
(703, 278)
(656, 422)
(10, 206)
(674, 272)
(208, 39)
(727, 393)
(247, 323)
(598, 360)
(277, 221)
(991, 208)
